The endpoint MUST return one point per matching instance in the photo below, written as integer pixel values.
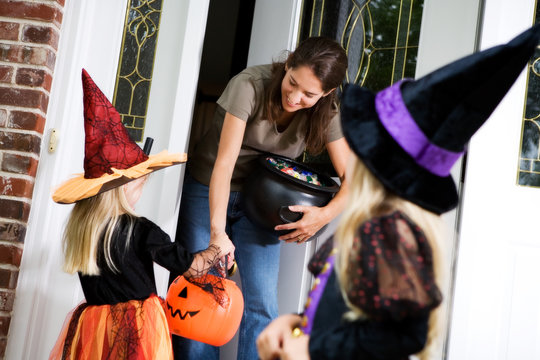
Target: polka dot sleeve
(391, 270)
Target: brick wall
(29, 34)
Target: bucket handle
(288, 216)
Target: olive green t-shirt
(244, 97)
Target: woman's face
(300, 89)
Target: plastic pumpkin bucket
(195, 314)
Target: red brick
(33, 77)
(3, 117)
(25, 121)
(13, 232)
(4, 325)
(10, 255)
(8, 279)
(9, 30)
(13, 209)
(19, 142)
(6, 300)
(3, 346)
(33, 55)
(11, 186)
(31, 11)
(35, 99)
(6, 73)
(40, 35)
(19, 164)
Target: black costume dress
(122, 317)
(391, 281)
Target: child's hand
(270, 340)
(295, 348)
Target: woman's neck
(282, 123)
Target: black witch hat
(411, 133)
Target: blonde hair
(91, 220)
(369, 198)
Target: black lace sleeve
(391, 270)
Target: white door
(496, 313)
(91, 38)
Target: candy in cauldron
(278, 182)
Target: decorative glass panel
(135, 68)
(380, 37)
(529, 159)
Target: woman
(376, 295)
(282, 108)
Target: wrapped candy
(294, 171)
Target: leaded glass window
(529, 158)
(136, 64)
(380, 36)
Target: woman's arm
(314, 218)
(230, 143)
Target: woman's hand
(222, 241)
(219, 249)
(270, 340)
(313, 219)
(226, 254)
(295, 348)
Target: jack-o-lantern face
(195, 314)
(178, 312)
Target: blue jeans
(257, 255)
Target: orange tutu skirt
(135, 330)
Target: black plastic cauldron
(268, 192)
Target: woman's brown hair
(328, 61)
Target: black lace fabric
(391, 269)
(209, 274)
(72, 329)
(318, 260)
(118, 331)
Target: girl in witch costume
(113, 249)
(377, 287)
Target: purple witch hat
(411, 133)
